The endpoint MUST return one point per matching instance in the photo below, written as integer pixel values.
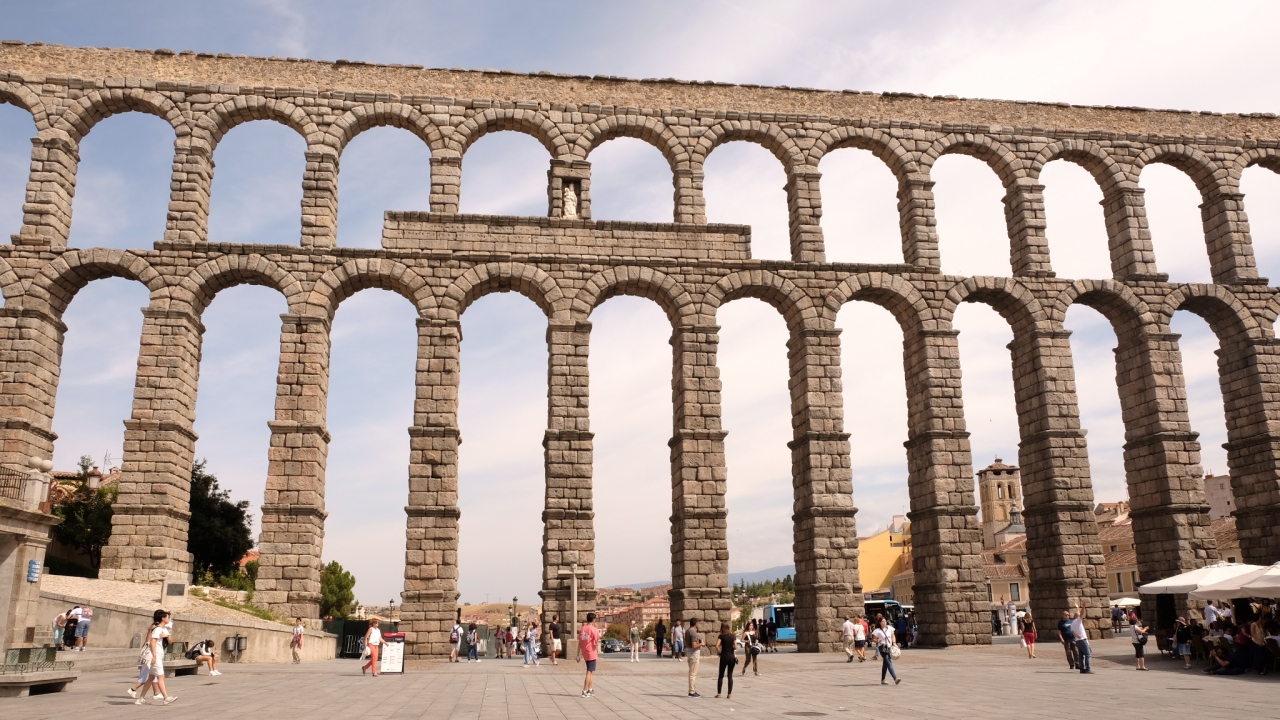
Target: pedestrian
(83, 615)
(151, 662)
(1068, 640)
(1027, 627)
(1011, 615)
(531, 644)
(886, 643)
(513, 640)
(875, 624)
(556, 647)
(1117, 618)
(1182, 642)
(773, 634)
(847, 635)
(866, 637)
(677, 641)
(206, 653)
(1081, 637)
(1210, 614)
(59, 625)
(901, 629)
(69, 631)
(660, 636)
(727, 649)
(1138, 632)
(455, 641)
(588, 652)
(751, 648)
(373, 641)
(295, 643)
(693, 643)
(633, 635)
(473, 643)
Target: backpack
(454, 635)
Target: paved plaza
(970, 682)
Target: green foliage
(617, 631)
(337, 596)
(244, 578)
(220, 532)
(86, 517)
(784, 589)
(254, 610)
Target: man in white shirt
(846, 637)
(1081, 637)
(1210, 614)
(455, 642)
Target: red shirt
(588, 642)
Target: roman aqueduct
(568, 264)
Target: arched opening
(1198, 345)
(1076, 225)
(382, 168)
(1093, 341)
(1261, 188)
(745, 184)
(505, 173)
(631, 180)
(256, 196)
(860, 222)
(973, 238)
(1173, 213)
(502, 417)
(630, 365)
(370, 408)
(122, 183)
(16, 130)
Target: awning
(1194, 580)
(1263, 582)
(1125, 602)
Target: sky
(1153, 54)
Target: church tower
(1000, 492)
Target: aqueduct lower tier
(442, 261)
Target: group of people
(857, 633)
(71, 628)
(1232, 648)
(508, 642)
(151, 671)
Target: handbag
(1142, 638)
(894, 652)
(144, 657)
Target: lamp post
(95, 478)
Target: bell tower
(1000, 492)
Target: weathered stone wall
(568, 264)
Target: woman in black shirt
(726, 645)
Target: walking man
(660, 636)
(455, 642)
(1068, 640)
(693, 641)
(1082, 640)
(295, 643)
(588, 651)
(847, 634)
(554, 629)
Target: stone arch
(528, 280)
(351, 277)
(1230, 320)
(10, 283)
(1087, 154)
(99, 105)
(1127, 313)
(649, 129)
(204, 282)
(59, 281)
(1208, 175)
(1007, 296)
(529, 122)
(890, 292)
(364, 117)
(998, 156)
(796, 306)
(770, 136)
(225, 116)
(1268, 158)
(884, 146)
(21, 96)
(643, 282)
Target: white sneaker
(215, 673)
(170, 699)
(477, 662)
(140, 701)
(132, 693)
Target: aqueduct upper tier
(441, 261)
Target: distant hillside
(773, 573)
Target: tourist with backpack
(455, 642)
(473, 643)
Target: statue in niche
(571, 200)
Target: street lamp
(95, 478)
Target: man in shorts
(554, 629)
(82, 628)
(677, 640)
(455, 642)
(588, 652)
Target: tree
(617, 631)
(86, 516)
(337, 598)
(220, 532)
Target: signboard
(392, 658)
(33, 571)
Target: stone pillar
(152, 511)
(946, 539)
(293, 511)
(699, 542)
(1132, 256)
(1249, 373)
(30, 357)
(1171, 529)
(568, 534)
(189, 188)
(430, 596)
(804, 210)
(690, 203)
(1226, 232)
(1024, 216)
(918, 222)
(320, 198)
(46, 213)
(569, 173)
(1064, 557)
(21, 623)
(826, 537)
(446, 184)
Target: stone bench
(34, 671)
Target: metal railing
(11, 482)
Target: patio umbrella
(1265, 584)
(1195, 579)
(1125, 602)
(1234, 587)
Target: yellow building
(880, 556)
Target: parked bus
(891, 609)
(785, 617)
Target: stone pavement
(969, 682)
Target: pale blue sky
(1093, 53)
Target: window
(1119, 582)
(1133, 579)
(1114, 547)
(990, 597)
(1000, 491)
(1231, 559)
(1015, 593)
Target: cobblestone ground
(991, 682)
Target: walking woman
(751, 647)
(633, 636)
(372, 641)
(473, 643)
(886, 644)
(1138, 632)
(726, 647)
(531, 644)
(1028, 633)
(151, 661)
